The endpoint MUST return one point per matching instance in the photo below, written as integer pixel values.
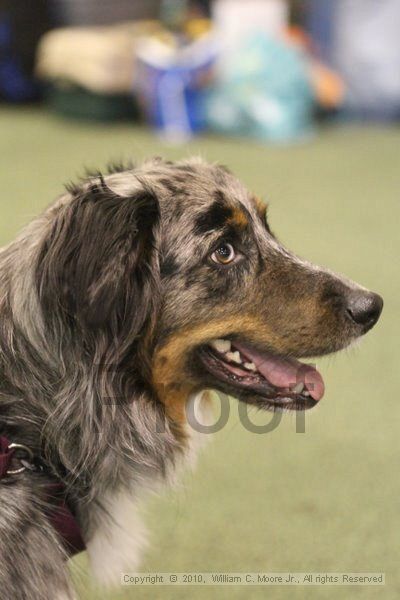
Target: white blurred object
(235, 19)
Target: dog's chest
(120, 537)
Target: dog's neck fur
(56, 405)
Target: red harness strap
(59, 512)
(6, 455)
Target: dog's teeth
(234, 357)
(221, 345)
(297, 389)
(250, 366)
(306, 394)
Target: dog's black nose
(364, 308)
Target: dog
(127, 299)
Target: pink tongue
(285, 372)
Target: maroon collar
(17, 458)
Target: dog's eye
(224, 254)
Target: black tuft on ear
(98, 263)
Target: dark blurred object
(102, 12)
(22, 23)
(297, 10)
(76, 102)
(319, 18)
(174, 13)
(200, 8)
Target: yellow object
(195, 28)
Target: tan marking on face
(238, 218)
(261, 207)
(169, 375)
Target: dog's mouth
(262, 378)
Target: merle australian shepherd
(127, 299)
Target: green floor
(325, 500)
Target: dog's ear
(99, 263)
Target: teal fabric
(263, 91)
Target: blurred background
(301, 99)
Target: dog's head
(173, 270)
